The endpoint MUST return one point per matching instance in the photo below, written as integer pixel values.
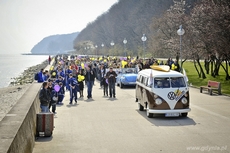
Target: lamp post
(102, 45)
(85, 50)
(180, 32)
(88, 50)
(96, 49)
(112, 43)
(144, 38)
(125, 42)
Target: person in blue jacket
(73, 88)
(46, 75)
(67, 72)
(60, 79)
(61, 73)
(40, 76)
(61, 94)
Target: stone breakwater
(27, 77)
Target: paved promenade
(103, 125)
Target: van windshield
(178, 82)
(167, 82)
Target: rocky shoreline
(11, 94)
(27, 77)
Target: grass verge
(197, 82)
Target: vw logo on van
(171, 95)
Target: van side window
(143, 80)
(146, 82)
(138, 78)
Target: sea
(12, 65)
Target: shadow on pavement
(72, 105)
(161, 120)
(89, 100)
(43, 139)
(127, 87)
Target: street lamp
(112, 43)
(144, 38)
(85, 51)
(102, 45)
(125, 42)
(180, 32)
(96, 49)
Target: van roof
(157, 73)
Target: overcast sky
(23, 23)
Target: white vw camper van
(162, 91)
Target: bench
(212, 85)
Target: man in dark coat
(44, 98)
(89, 78)
(111, 76)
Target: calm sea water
(13, 65)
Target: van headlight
(155, 96)
(186, 95)
(158, 101)
(184, 100)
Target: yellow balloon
(51, 68)
(82, 65)
(81, 78)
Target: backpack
(36, 76)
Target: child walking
(105, 86)
(61, 94)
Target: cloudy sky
(23, 23)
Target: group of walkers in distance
(72, 73)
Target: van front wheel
(149, 115)
(140, 107)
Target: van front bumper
(169, 111)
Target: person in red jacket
(49, 59)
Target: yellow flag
(123, 63)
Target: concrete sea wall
(18, 127)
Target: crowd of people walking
(72, 74)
